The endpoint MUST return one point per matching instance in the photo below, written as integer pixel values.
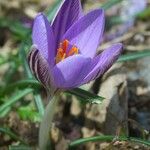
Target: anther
(62, 51)
(73, 50)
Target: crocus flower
(63, 55)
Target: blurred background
(125, 87)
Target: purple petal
(69, 12)
(101, 63)
(87, 33)
(40, 68)
(70, 72)
(43, 38)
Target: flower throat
(62, 51)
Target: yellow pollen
(62, 51)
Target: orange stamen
(62, 51)
(60, 55)
(74, 50)
(65, 45)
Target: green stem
(107, 138)
(46, 124)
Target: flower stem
(46, 124)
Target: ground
(126, 87)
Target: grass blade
(19, 147)
(107, 138)
(25, 46)
(39, 104)
(3, 60)
(15, 27)
(24, 84)
(110, 3)
(86, 96)
(16, 97)
(5, 112)
(10, 72)
(50, 13)
(20, 85)
(11, 134)
(133, 56)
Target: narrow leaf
(20, 85)
(15, 27)
(110, 3)
(5, 112)
(50, 13)
(7, 131)
(39, 103)
(10, 72)
(25, 46)
(133, 56)
(3, 60)
(86, 96)
(19, 147)
(107, 138)
(16, 97)
(26, 84)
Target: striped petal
(69, 12)
(40, 68)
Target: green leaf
(145, 14)
(110, 3)
(20, 85)
(7, 131)
(39, 103)
(10, 72)
(28, 113)
(15, 27)
(16, 97)
(19, 147)
(134, 55)
(23, 49)
(29, 83)
(3, 60)
(5, 112)
(50, 13)
(107, 138)
(86, 96)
